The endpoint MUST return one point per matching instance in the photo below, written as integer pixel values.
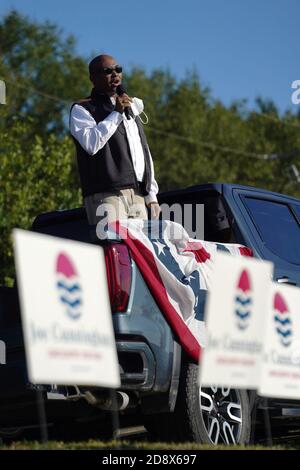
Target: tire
(205, 415)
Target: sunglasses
(109, 70)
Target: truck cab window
(277, 227)
(218, 223)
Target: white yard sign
(280, 374)
(65, 308)
(235, 315)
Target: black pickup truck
(158, 381)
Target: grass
(131, 445)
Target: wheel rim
(222, 414)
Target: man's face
(103, 81)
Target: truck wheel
(207, 415)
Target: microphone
(120, 91)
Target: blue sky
(240, 48)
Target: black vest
(111, 168)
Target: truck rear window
(277, 227)
(217, 221)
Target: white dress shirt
(92, 137)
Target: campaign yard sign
(234, 317)
(280, 372)
(65, 309)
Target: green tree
(34, 178)
(37, 57)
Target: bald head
(100, 61)
(105, 74)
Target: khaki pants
(122, 204)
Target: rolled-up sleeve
(90, 135)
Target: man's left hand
(154, 209)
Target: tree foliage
(37, 57)
(35, 177)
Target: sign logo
(68, 286)
(243, 301)
(283, 323)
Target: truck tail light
(119, 275)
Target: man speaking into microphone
(114, 161)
